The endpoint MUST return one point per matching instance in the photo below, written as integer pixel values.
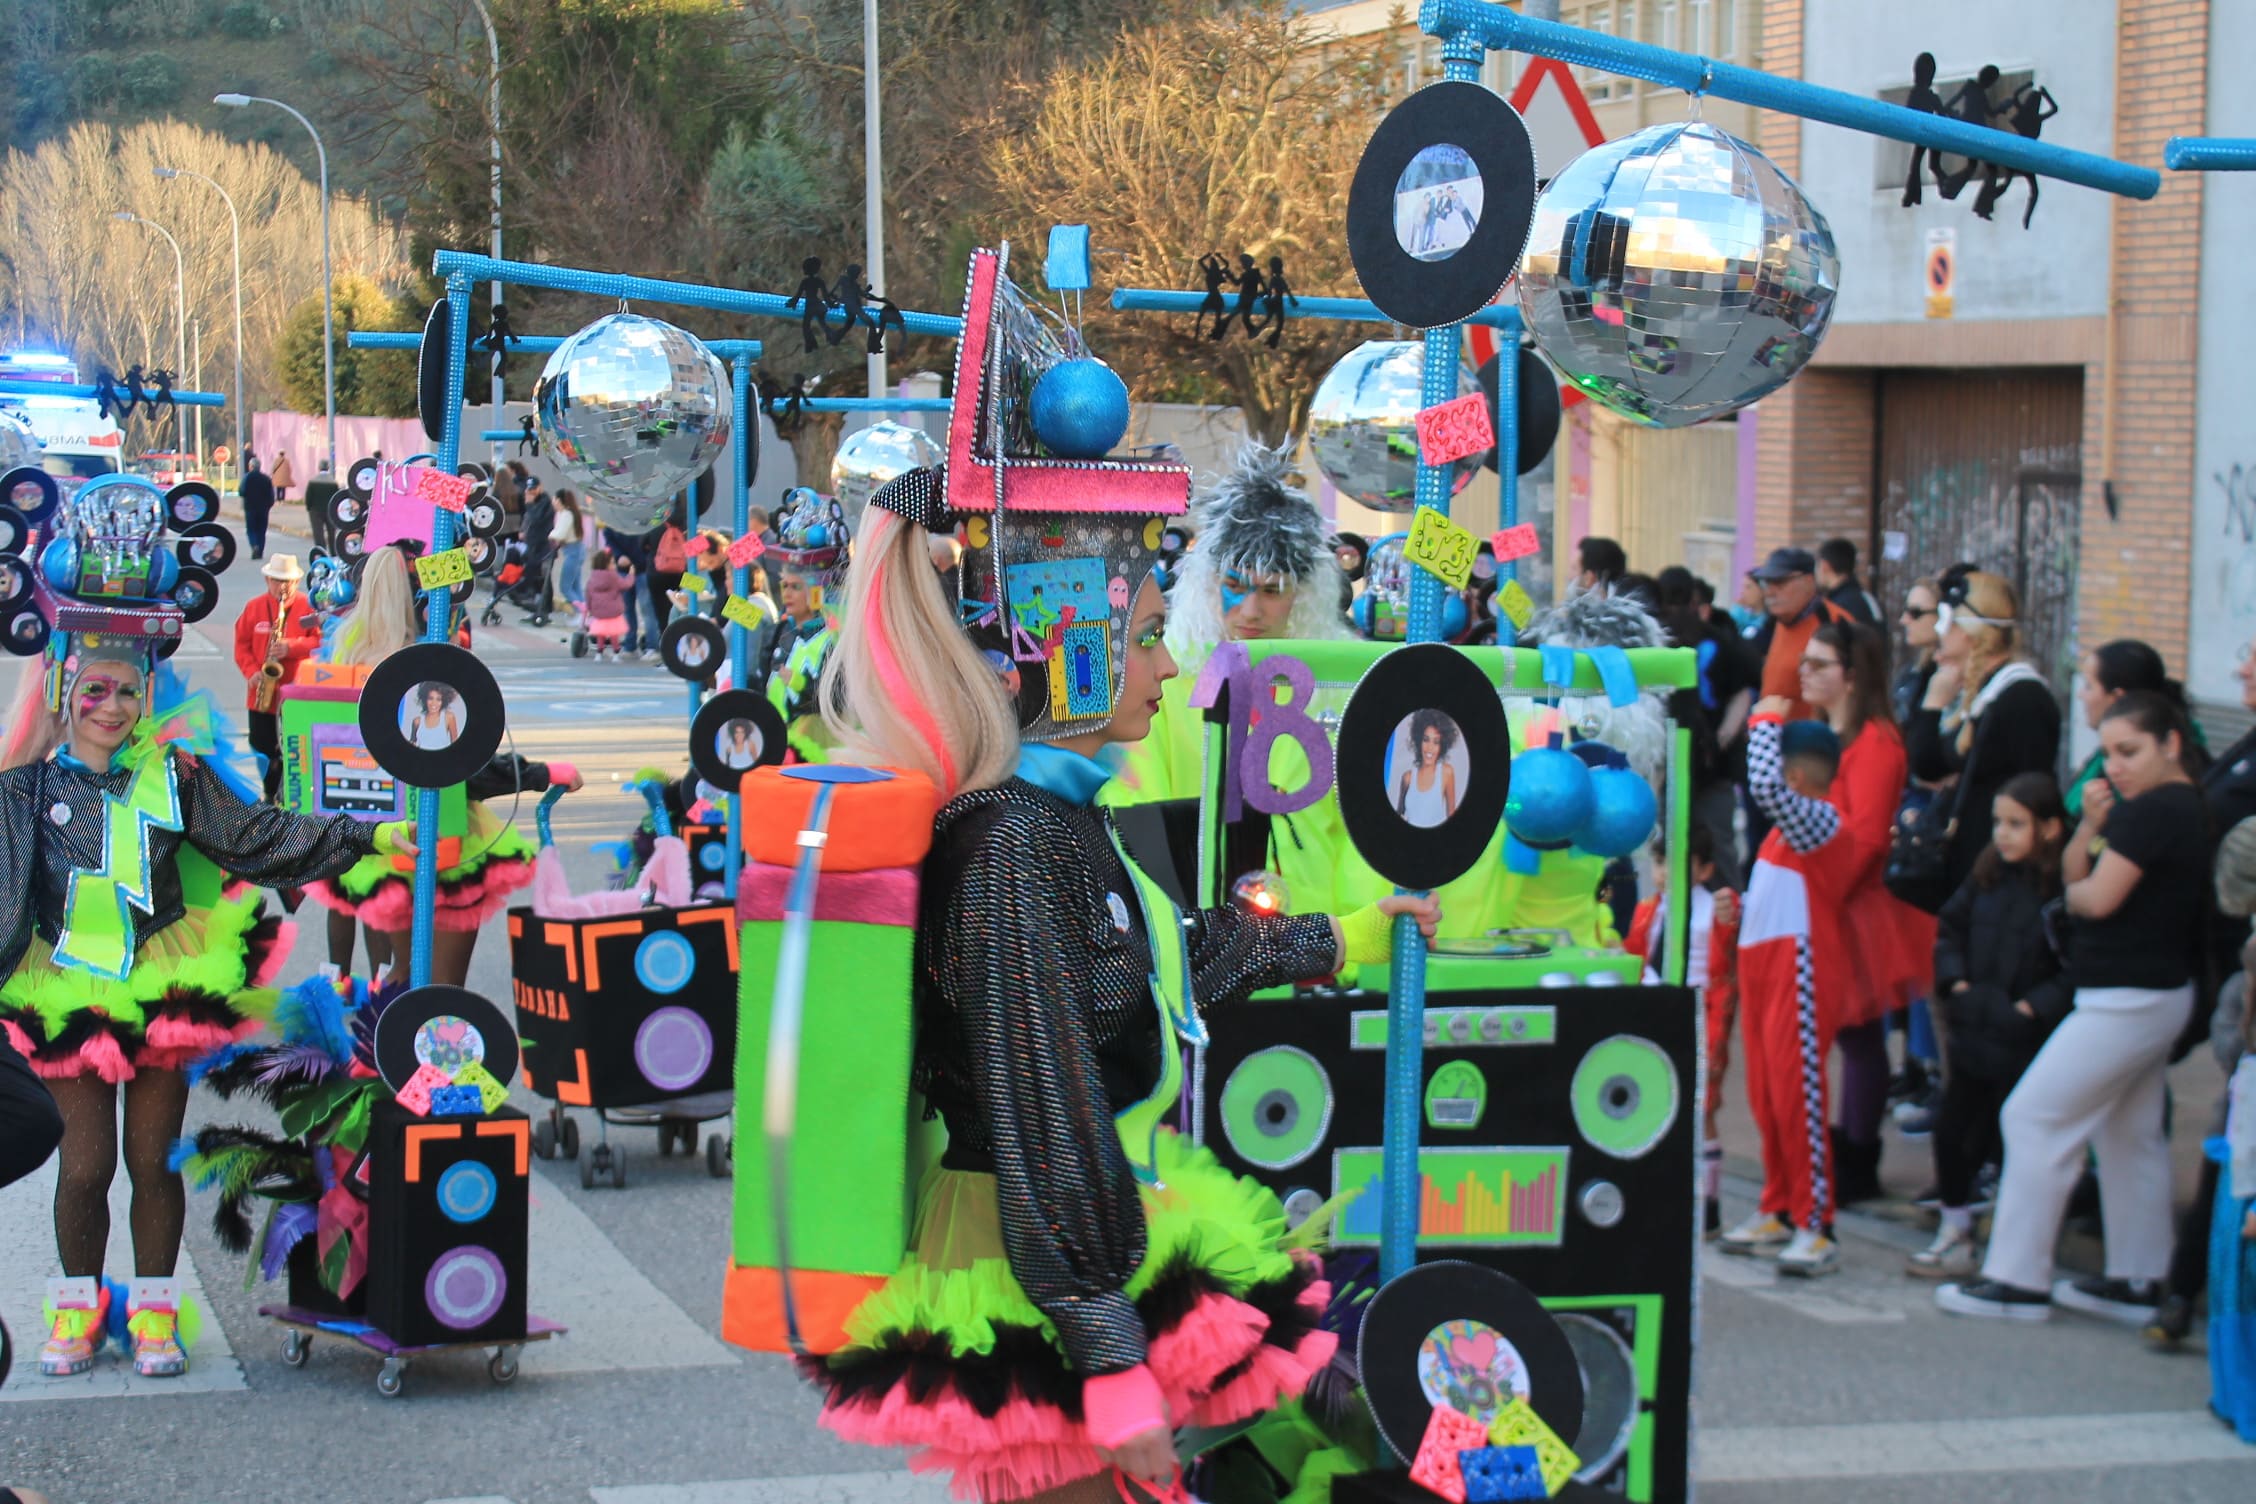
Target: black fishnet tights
(156, 1102)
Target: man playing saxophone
(272, 637)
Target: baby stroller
(508, 578)
(626, 1004)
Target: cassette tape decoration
(626, 1009)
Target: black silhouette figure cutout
(113, 401)
(847, 297)
(1971, 104)
(498, 338)
(529, 437)
(1217, 273)
(1249, 297)
(1274, 297)
(159, 390)
(2025, 114)
(785, 405)
(815, 296)
(1922, 98)
(881, 314)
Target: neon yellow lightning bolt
(98, 910)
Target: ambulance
(81, 442)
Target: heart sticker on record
(446, 1028)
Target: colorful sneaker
(1758, 1234)
(1809, 1255)
(153, 1319)
(1951, 1256)
(2130, 1302)
(1994, 1300)
(80, 1311)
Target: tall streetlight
(873, 185)
(493, 108)
(179, 290)
(235, 228)
(328, 288)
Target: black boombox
(1558, 1143)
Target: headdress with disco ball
(632, 411)
(1677, 274)
(812, 535)
(1363, 428)
(1057, 538)
(869, 457)
(1255, 521)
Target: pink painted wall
(307, 440)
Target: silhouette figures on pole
(1217, 273)
(528, 437)
(1273, 299)
(1922, 97)
(847, 298)
(813, 301)
(2031, 107)
(1971, 104)
(2023, 113)
(882, 314)
(1249, 296)
(498, 338)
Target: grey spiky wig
(1597, 619)
(1255, 520)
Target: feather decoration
(364, 1021)
(217, 1064)
(238, 1162)
(291, 1223)
(298, 1063)
(314, 1014)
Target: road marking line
(617, 1318)
(1822, 1299)
(818, 1488)
(2005, 1444)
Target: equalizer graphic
(1469, 1198)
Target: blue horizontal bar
(532, 344)
(649, 290)
(2210, 154)
(869, 404)
(1494, 26)
(13, 388)
(1344, 310)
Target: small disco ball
(632, 411)
(1080, 409)
(1363, 426)
(1550, 797)
(1677, 275)
(877, 454)
(18, 444)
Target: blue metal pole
(740, 638)
(651, 290)
(533, 344)
(1340, 310)
(1508, 434)
(876, 405)
(2210, 154)
(16, 387)
(438, 606)
(1492, 25)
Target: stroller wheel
(579, 644)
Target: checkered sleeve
(1805, 822)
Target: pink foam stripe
(463, 907)
(1215, 1336)
(269, 960)
(1002, 1477)
(1274, 1376)
(945, 1418)
(1060, 486)
(887, 896)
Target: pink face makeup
(94, 690)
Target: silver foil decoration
(18, 444)
(632, 410)
(1362, 424)
(873, 456)
(116, 520)
(1677, 275)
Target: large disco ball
(1677, 275)
(875, 455)
(632, 411)
(18, 444)
(1363, 427)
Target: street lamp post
(179, 290)
(235, 230)
(493, 107)
(873, 186)
(328, 286)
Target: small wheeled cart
(301, 1326)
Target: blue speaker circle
(711, 855)
(664, 962)
(467, 1191)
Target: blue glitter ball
(1080, 409)
(1622, 812)
(1550, 798)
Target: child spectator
(1711, 969)
(1790, 963)
(2001, 989)
(609, 584)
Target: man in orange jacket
(258, 645)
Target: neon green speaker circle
(1277, 1107)
(1625, 1096)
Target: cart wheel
(719, 1151)
(569, 1137)
(391, 1378)
(618, 1171)
(544, 1138)
(587, 1173)
(502, 1366)
(667, 1128)
(296, 1348)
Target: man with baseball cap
(1788, 579)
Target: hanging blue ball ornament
(1080, 409)
(58, 561)
(1622, 812)
(1550, 796)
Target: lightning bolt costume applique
(98, 928)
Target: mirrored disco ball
(1363, 426)
(1677, 275)
(18, 444)
(632, 410)
(873, 456)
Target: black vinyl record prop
(1539, 407)
(361, 476)
(1419, 1329)
(192, 503)
(483, 554)
(347, 509)
(708, 734)
(484, 516)
(31, 491)
(1400, 829)
(440, 756)
(15, 529)
(691, 647)
(207, 545)
(431, 373)
(1434, 155)
(196, 592)
(402, 1043)
(705, 490)
(25, 633)
(352, 543)
(15, 584)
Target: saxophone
(270, 672)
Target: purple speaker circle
(673, 1049)
(465, 1287)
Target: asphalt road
(1852, 1387)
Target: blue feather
(219, 1059)
(177, 1157)
(312, 1014)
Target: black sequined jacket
(1036, 1024)
(39, 851)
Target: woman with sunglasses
(1917, 619)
